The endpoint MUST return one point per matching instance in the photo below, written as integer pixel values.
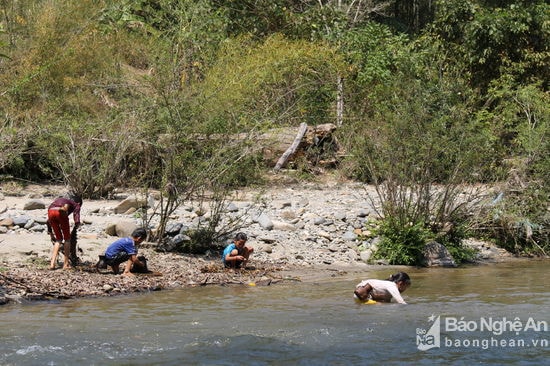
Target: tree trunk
(340, 101)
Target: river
(489, 314)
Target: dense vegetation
(428, 96)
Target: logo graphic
(426, 340)
(482, 333)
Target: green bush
(520, 220)
(93, 157)
(452, 239)
(202, 241)
(401, 244)
(277, 82)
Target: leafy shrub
(520, 220)
(202, 240)
(256, 85)
(401, 244)
(92, 157)
(452, 239)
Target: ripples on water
(290, 324)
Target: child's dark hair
(139, 233)
(241, 236)
(77, 199)
(74, 197)
(400, 277)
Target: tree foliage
(276, 82)
(148, 93)
(520, 221)
(500, 39)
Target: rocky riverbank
(299, 232)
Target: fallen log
(280, 146)
(292, 149)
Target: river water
(491, 314)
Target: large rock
(133, 202)
(369, 248)
(265, 222)
(34, 205)
(349, 236)
(283, 226)
(173, 229)
(7, 222)
(21, 221)
(179, 239)
(231, 207)
(42, 220)
(30, 223)
(437, 255)
(110, 229)
(121, 228)
(125, 228)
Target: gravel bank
(302, 232)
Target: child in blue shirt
(124, 250)
(237, 253)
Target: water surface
(292, 323)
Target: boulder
(267, 239)
(340, 216)
(437, 255)
(41, 220)
(179, 239)
(266, 248)
(132, 202)
(231, 207)
(21, 221)
(349, 236)
(125, 228)
(30, 223)
(319, 221)
(34, 205)
(110, 229)
(288, 215)
(366, 255)
(173, 229)
(283, 226)
(7, 222)
(265, 222)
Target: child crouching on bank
(236, 254)
(125, 250)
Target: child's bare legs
(55, 252)
(115, 268)
(246, 254)
(67, 253)
(246, 251)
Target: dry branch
(292, 149)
